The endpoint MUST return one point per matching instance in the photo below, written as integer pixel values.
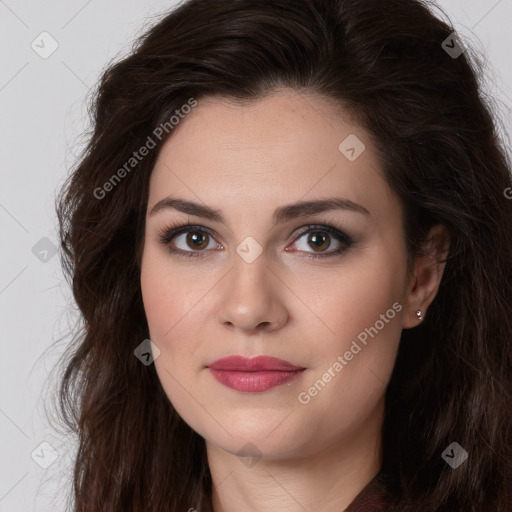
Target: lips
(253, 375)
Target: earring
(419, 315)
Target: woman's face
(249, 283)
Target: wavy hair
(438, 141)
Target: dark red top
(373, 498)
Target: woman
(289, 238)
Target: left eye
(321, 237)
(318, 239)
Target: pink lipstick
(253, 375)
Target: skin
(268, 451)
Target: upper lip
(253, 364)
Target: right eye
(194, 240)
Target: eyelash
(170, 232)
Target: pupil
(196, 238)
(315, 238)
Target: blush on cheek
(159, 301)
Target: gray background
(43, 115)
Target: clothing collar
(373, 498)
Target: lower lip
(254, 382)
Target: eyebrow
(282, 214)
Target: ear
(426, 275)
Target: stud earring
(419, 315)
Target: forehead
(279, 149)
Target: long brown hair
(387, 63)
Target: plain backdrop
(42, 116)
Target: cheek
(363, 309)
(172, 308)
(165, 296)
(166, 313)
(358, 292)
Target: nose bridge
(250, 297)
(250, 276)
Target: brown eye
(196, 239)
(188, 241)
(320, 239)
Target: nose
(252, 298)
